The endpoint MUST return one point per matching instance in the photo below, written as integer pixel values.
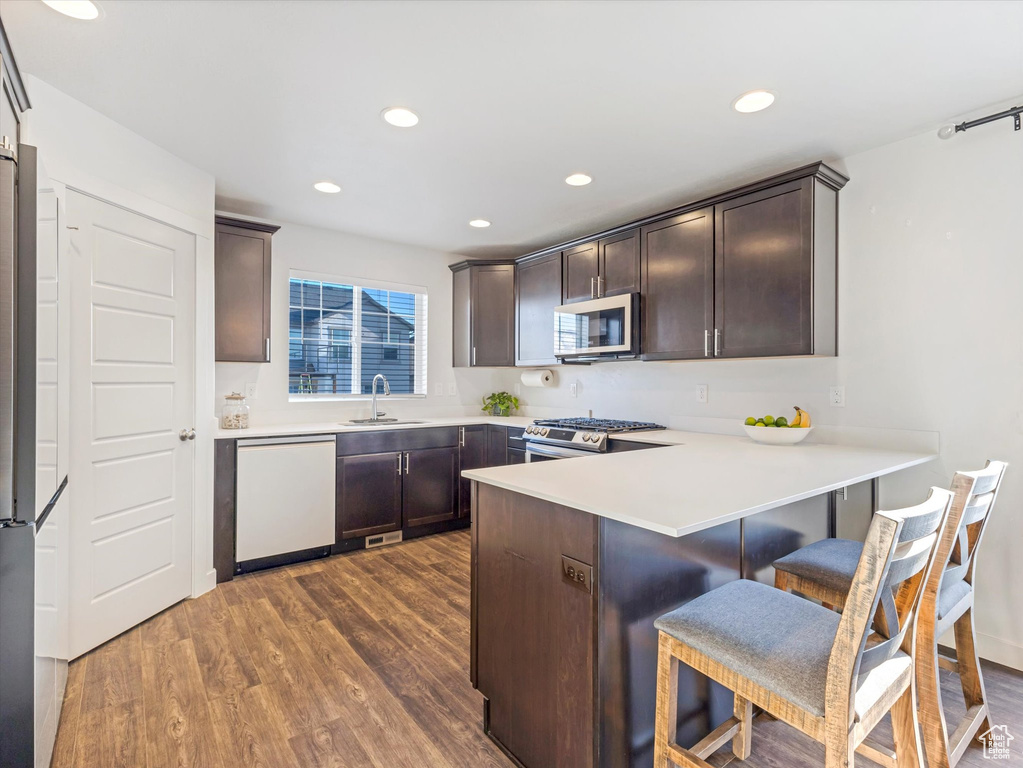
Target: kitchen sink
(372, 422)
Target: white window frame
(358, 284)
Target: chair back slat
(975, 496)
(891, 571)
(912, 560)
(977, 508)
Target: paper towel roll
(537, 379)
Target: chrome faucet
(387, 390)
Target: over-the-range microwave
(597, 329)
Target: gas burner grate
(599, 425)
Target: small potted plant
(500, 404)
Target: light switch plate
(452, 390)
(573, 389)
(438, 389)
(701, 393)
(836, 397)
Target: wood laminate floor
(355, 661)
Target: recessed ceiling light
(479, 223)
(327, 186)
(578, 180)
(76, 9)
(401, 117)
(754, 101)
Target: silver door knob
(186, 434)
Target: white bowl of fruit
(779, 431)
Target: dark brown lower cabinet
(536, 627)
(497, 445)
(430, 485)
(472, 454)
(369, 494)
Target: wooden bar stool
(822, 570)
(826, 674)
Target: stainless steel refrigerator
(30, 673)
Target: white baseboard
(1000, 651)
(206, 584)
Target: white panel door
(132, 390)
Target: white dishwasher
(285, 495)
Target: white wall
(931, 338)
(351, 256)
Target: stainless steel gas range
(548, 439)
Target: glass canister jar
(235, 414)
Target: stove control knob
(587, 436)
(543, 432)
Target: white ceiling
(271, 96)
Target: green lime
(750, 421)
(760, 424)
(781, 421)
(769, 420)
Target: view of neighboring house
(335, 349)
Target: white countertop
(331, 427)
(699, 481)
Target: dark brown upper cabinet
(619, 264)
(775, 271)
(580, 267)
(606, 267)
(242, 290)
(678, 287)
(537, 293)
(483, 324)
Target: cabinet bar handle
(474, 355)
(268, 350)
(600, 286)
(461, 437)
(406, 462)
(399, 464)
(717, 335)
(593, 291)
(706, 343)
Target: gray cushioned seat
(832, 563)
(778, 640)
(828, 562)
(951, 593)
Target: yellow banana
(802, 418)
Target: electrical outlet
(438, 388)
(701, 393)
(452, 390)
(573, 389)
(250, 391)
(836, 397)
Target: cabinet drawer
(353, 443)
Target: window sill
(332, 398)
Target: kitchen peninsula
(573, 560)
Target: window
(341, 335)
